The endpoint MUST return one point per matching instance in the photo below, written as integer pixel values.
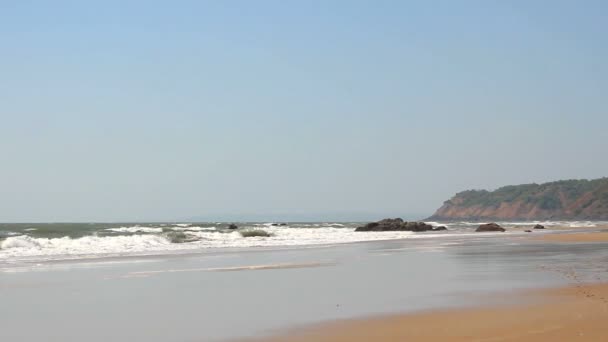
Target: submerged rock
(181, 237)
(490, 227)
(528, 231)
(539, 226)
(440, 228)
(396, 224)
(233, 226)
(254, 233)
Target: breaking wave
(24, 245)
(143, 240)
(135, 229)
(69, 241)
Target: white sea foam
(572, 224)
(135, 229)
(24, 245)
(547, 223)
(285, 236)
(53, 248)
(22, 241)
(192, 229)
(437, 224)
(582, 224)
(159, 241)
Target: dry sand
(576, 313)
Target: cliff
(565, 200)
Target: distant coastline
(560, 200)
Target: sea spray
(136, 229)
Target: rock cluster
(490, 227)
(397, 224)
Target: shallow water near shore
(225, 294)
(42, 242)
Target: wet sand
(579, 311)
(576, 237)
(572, 313)
(256, 293)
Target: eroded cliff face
(566, 200)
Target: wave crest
(24, 245)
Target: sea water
(224, 293)
(39, 242)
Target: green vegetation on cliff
(566, 199)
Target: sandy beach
(576, 237)
(577, 312)
(457, 286)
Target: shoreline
(274, 290)
(555, 233)
(563, 313)
(186, 253)
(578, 311)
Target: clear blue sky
(149, 110)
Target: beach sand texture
(577, 237)
(463, 287)
(577, 313)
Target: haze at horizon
(145, 111)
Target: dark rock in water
(181, 237)
(528, 231)
(395, 224)
(418, 226)
(440, 228)
(412, 226)
(274, 224)
(539, 226)
(278, 224)
(254, 233)
(233, 226)
(282, 224)
(382, 225)
(490, 227)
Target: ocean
(138, 282)
(40, 242)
